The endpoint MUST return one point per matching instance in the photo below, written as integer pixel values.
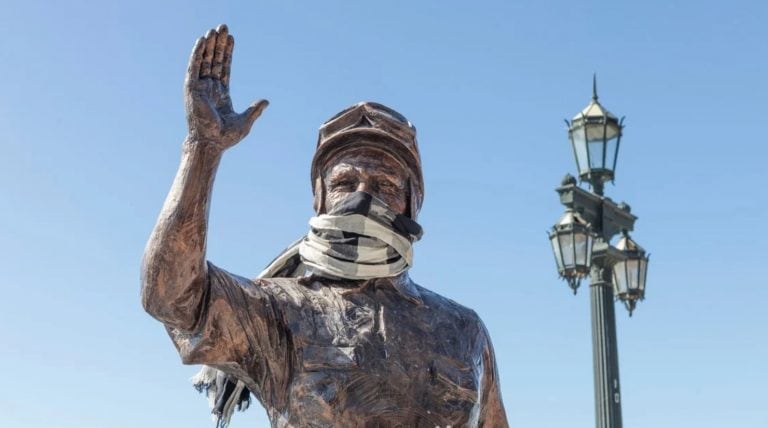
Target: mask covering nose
(360, 238)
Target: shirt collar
(402, 284)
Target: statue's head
(368, 147)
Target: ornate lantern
(572, 242)
(629, 274)
(595, 134)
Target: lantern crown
(626, 243)
(594, 109)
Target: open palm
(210, 116)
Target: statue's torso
(372, 357)
(385, 353)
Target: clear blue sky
(91, 123)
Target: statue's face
(366, 170)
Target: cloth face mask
(361, 238)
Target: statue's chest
(368, 354)
(336, 330)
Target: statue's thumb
(254, 111)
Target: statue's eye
(343, 184)
(386, 186)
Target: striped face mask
(361, 238)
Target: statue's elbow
(180, 313)
(149, 288)
(170, 298)
(156, 297)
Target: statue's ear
(319, 191)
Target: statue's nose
(364, 186)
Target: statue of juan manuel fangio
(333, 333)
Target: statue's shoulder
(454, 324)
(282, 289)
(448, 307)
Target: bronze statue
(333, 333)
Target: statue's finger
(210, 45)
(227, 65)
(222, 33)
(193, 70)
(254, 111)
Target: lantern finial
(630, 305)
(594, 87)
(574, 283)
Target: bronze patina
(317, 350)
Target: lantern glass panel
(643, 271)
(620, 277)
(566, 248)
(633, 273)
(596, 154)
(611, 145)
(581, 242)
(556, 250)
(580, 149)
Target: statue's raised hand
(210, 116)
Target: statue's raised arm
(174, 268)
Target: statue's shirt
(383, 353)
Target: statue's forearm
(174, 270)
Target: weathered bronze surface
(315, 351)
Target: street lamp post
(581, 241)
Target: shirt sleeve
(240, 331)
(492, 413)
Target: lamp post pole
(605, 354)
(581, 241)
(604, 350)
